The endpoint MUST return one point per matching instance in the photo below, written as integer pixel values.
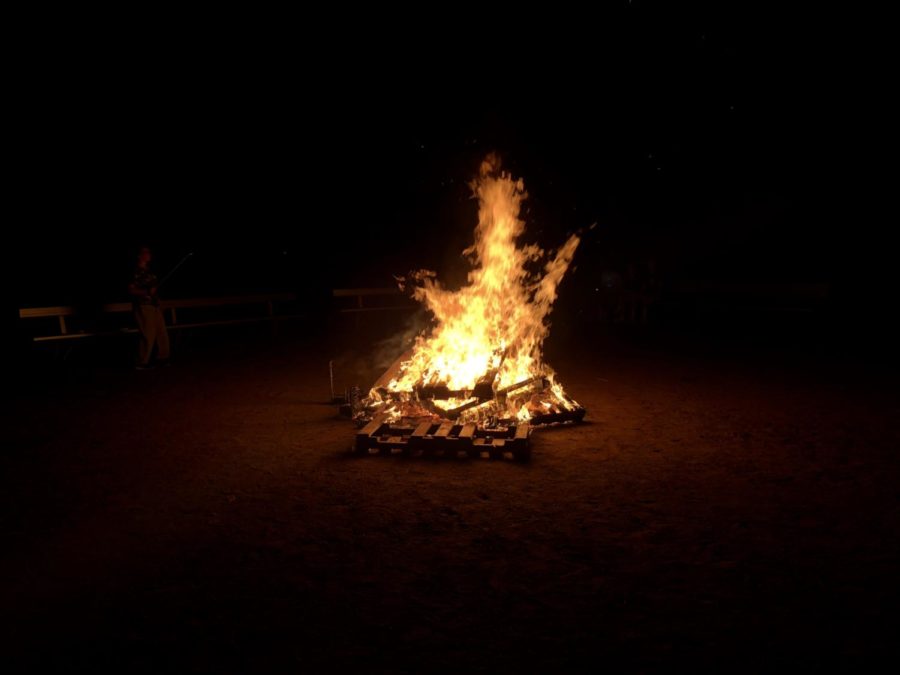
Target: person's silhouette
(147, 312)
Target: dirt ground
(713, 514)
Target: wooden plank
(418, 437)
(444, 430)
(422, 430)
(75, 336)
(520, 385)
(464, 437)
(453, 413)
(521, 445)
(352, 292)
(35, 312)
(372, 427)
(365, 436)
(118, 307)
(204, 324)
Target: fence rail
(361, 293)
(267, 303)
(65, 328)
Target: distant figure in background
(147, 312)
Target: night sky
(693, 139)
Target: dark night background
(729, 504)
(715, 144)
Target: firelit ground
(712, 513)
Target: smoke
(386, 351)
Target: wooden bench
(263, 309)
(359, 294)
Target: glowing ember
(481, 362)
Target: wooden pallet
(446, 439)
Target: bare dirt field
(712, 514)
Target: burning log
(559, 417)
(454, 413)
(440, 392)
(540, 379)
(484, 388)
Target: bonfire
(481, 361)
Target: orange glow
(490, 331)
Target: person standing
(147, 313)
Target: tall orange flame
(495, 326)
